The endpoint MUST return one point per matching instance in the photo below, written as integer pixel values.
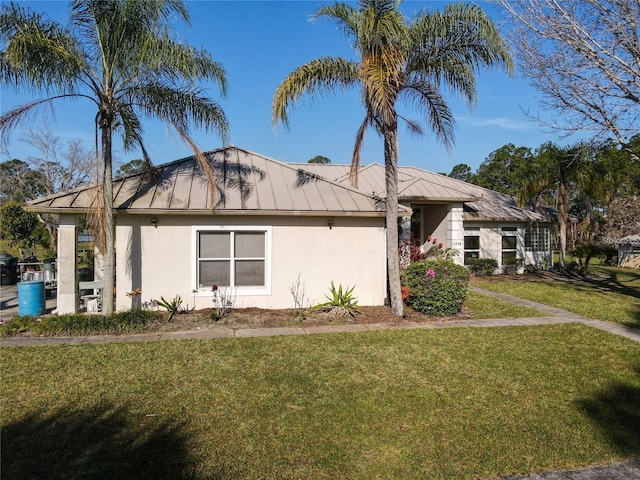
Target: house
(475, 221)
(277, 224)
(629, 251)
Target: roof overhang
(402, 212)
(435, 200)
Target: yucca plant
(172, 306)
(341, 303)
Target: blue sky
(259, 43)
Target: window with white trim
(509, 245)
(471, 242)
(237, 258)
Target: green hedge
(481, 267)
(436, 287)
(129, 321)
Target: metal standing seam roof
(417, 185)
(247, 183)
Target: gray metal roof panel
(246, 182)
(415, 184)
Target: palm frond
(203, 164)
(96, 219)
(430, 102)
(24, 113)
(161, 59)
(184, 106)
(345, 16)
(39, 52)
(531, 190)
(450, 46)
(130, 125)
(318, 76)
(357, 147)
(413, 126)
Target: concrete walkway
(554, 315)
(557, 315)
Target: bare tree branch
(584, 57)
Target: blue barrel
(31, 298)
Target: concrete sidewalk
(562, 315)
(554, 316)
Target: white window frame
(513, 231)
(472, 231)
(238, 291)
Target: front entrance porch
(434, 221)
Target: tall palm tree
(120, 55)
(399, 59)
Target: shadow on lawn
(101, 442)
(615, 284)
(616, 411)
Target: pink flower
(473, 274)
(431, 273)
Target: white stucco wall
(491, 243)
(162, 262)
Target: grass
(483, 307)
(438, 404)
(126, 322)
(612, 294)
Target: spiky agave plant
(341, 302)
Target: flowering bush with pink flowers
(437, 287)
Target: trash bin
(31, 298)
(9, 268)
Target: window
(471, 243)
(509, 245)
(232, 258)
(416, 224)
(537, 239)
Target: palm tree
(399, 59)
(565, 173)
(120, 55)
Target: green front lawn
(438, 404)
(610, 293)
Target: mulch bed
(269, 318)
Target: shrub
(512, 265)
(342, 303)
(584, 252)
(172, 306)
(481, 267)
(130, 321)
(437, 287)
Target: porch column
(455, 231)
(67, 295)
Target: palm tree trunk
(109, 253)
(563, 219)
(391, 184)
